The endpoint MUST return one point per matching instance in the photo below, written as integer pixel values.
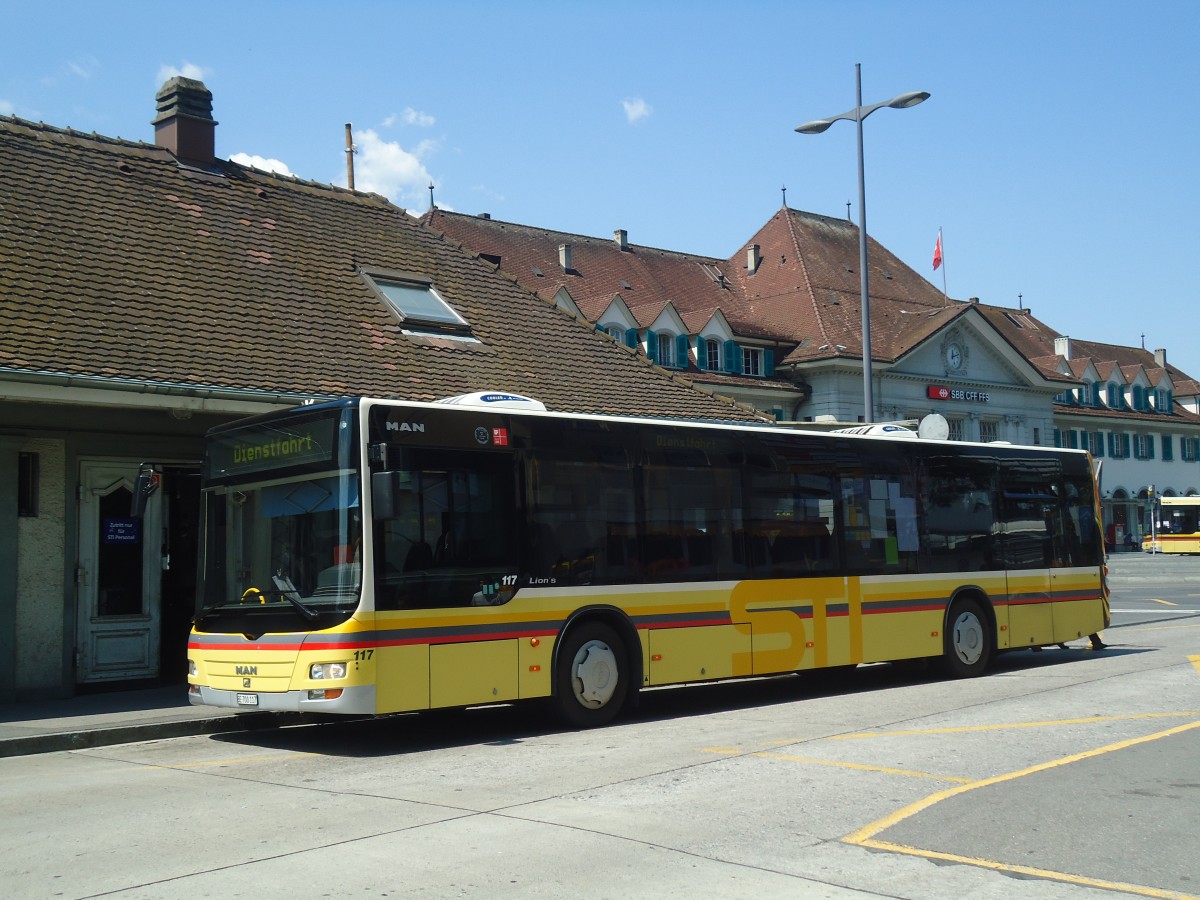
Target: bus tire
(591, 677)
(967, 642)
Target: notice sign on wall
(121, 531)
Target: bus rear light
(535, 668)
(192, 670)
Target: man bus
(370, 556)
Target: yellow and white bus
(1177, 529)
(370, 556)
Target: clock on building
(955, 356)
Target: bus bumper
(354, 701)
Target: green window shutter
(651, 346)
(768, 363)
(1057, 438)
(1168, 448)
(1099, 442)
(631, 338)
(1125, 445)
(1149, 446)
(732, 361)
(681, 351)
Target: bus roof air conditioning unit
(496, 400)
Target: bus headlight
(327, 671)
(192, 670)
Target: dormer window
(708, 354)
(417, 304)
(666, 349)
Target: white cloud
(410, 116)
(187, 70)
(7, 109)
(636, 109)
(83, 68)
(260, 162)
(416, 117)
(384, 167)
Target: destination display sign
(280, 445)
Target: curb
(83, 739)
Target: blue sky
(1058, 151)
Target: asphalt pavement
(124, 716)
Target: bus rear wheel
(967, 643)
(591, 676)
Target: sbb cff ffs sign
(937, 392)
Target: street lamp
(860, 112)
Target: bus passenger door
(1027, 507)
(1027, 549)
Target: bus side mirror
(144, 486)
(383, 495)
(387, 488)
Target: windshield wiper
(285, 589)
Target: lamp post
(856, 115)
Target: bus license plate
(247, 699)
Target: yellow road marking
(1081, 880)
(231, 762)
(1002, 726)
(1163, 602)
(1195, 662)
(762, 754)
(849, 765)
(865, 836)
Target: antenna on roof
(432, 205)
(350, 151)
(784, 189)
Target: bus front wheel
(591, 676)
(967, 644)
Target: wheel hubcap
(967, 638)
(595, 674)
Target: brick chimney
(184, 124)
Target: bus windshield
(282, 529)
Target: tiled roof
(646, 278)
(808, 288)
(804, 294)
(118, 263)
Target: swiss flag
(937, 252)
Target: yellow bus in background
(370, 556)
(1177, 529)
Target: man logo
(245, 670)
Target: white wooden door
(119, 576)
